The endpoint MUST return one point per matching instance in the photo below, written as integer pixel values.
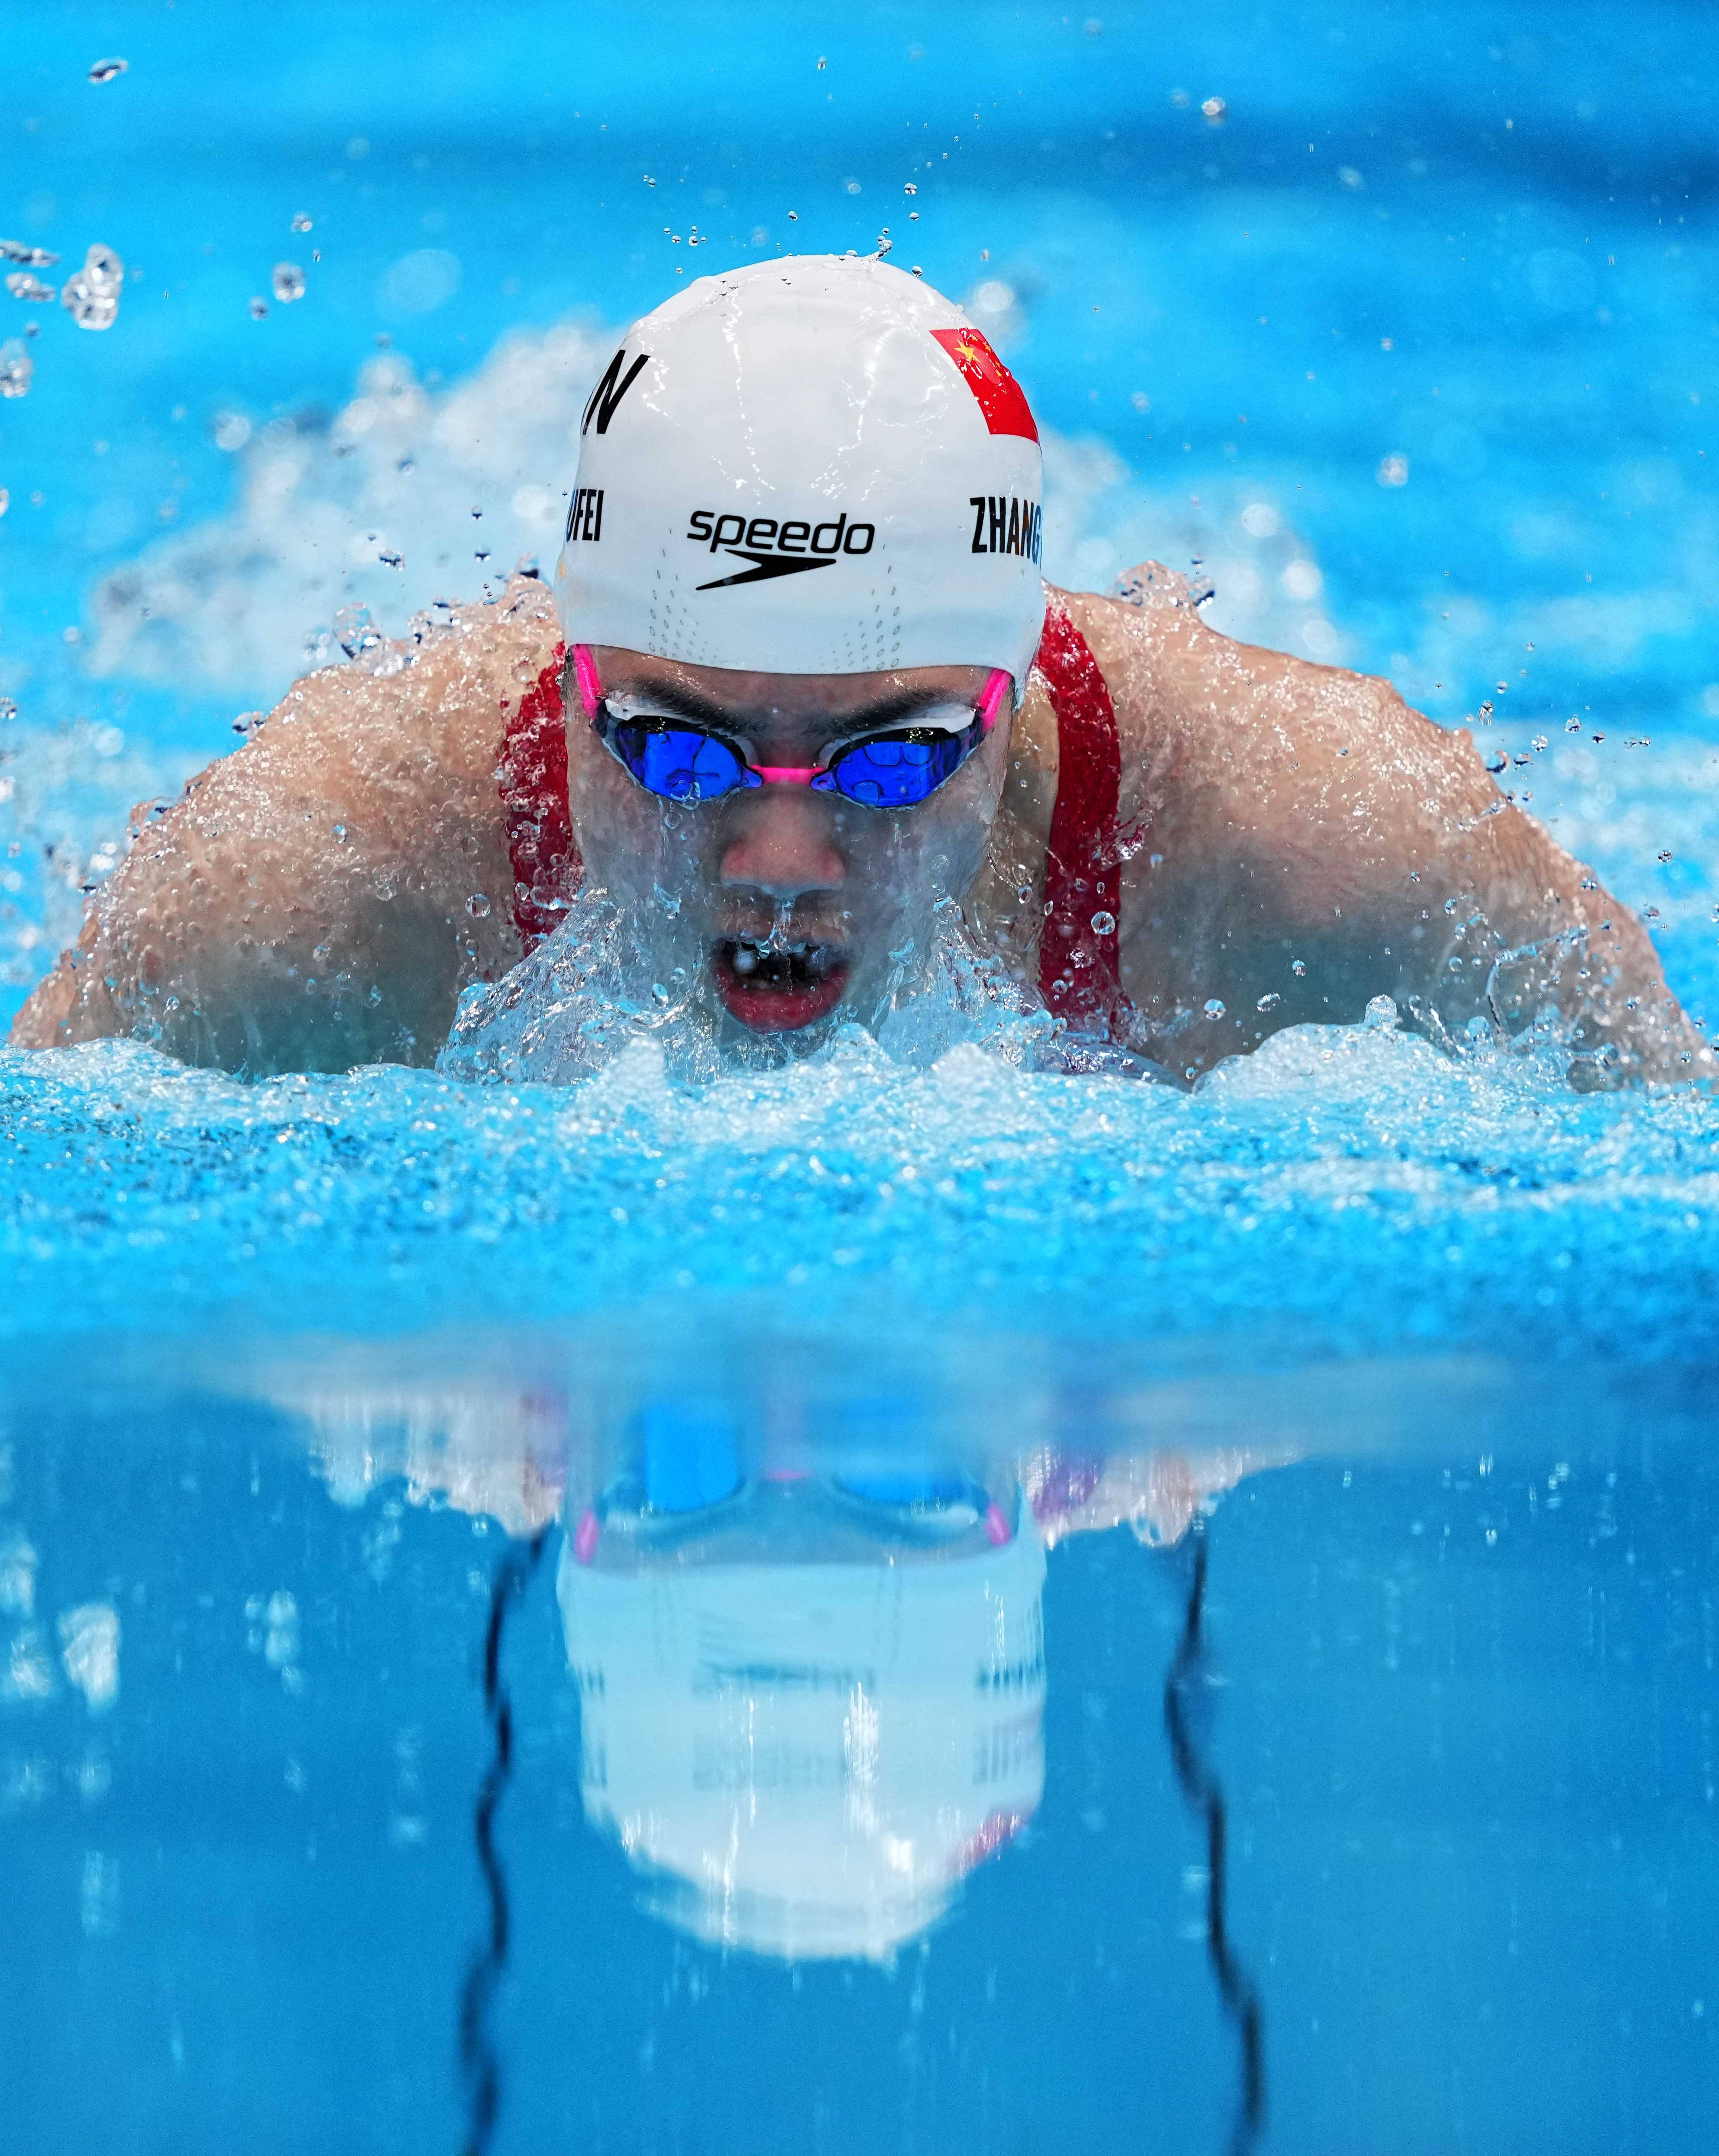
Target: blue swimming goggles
(686, 1474)
(679, 760)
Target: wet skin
(1292, 839)
(782, 903)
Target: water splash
(16, 369)
(91, 295)
(588, 995)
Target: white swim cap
(813, 466)
(805, 1760)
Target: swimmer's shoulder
(424, 713)
(1213, 711)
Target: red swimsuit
(1078, 962)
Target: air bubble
(1298, 967)
(1214, 1007)
(289, 283)
(1104, 924)
(1269, 1002)
(478, 907)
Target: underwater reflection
(809, 1650)
(813, 1700)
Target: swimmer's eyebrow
(683, 703)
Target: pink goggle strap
(995, 689)
(585, 674)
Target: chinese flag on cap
(999, 394)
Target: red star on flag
(997, 393)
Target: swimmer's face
(783, 903)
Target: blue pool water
(1407, 345)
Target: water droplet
(1269, 1002)
(1215, 110)
(260, 307)
(910, 189)
(1104, 924)
(105, 269)
(5, 502)
(1496, 760)
(289, 283)
(340, 834)
(32, 258)
(355, 632)
(92, 298)
(1214, 1007)
(22, 285)
(1664, 856)
(301, 223)
(105, 70)
(16, 369)
(1298, 967)
(392, 561)
(1381, 1014)
(231, 431)
(478, 907)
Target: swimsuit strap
(1078, 965)
(1080, 869)
(533, 774)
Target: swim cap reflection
(809, 465)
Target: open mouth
(777, 987)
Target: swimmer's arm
(305, 904)
(1302, 813)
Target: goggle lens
(678, 763)
(899, 770)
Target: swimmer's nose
(782, 845)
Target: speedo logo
(776, 549)
(1003, 524)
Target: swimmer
(800, 682)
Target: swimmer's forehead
(717, 693)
